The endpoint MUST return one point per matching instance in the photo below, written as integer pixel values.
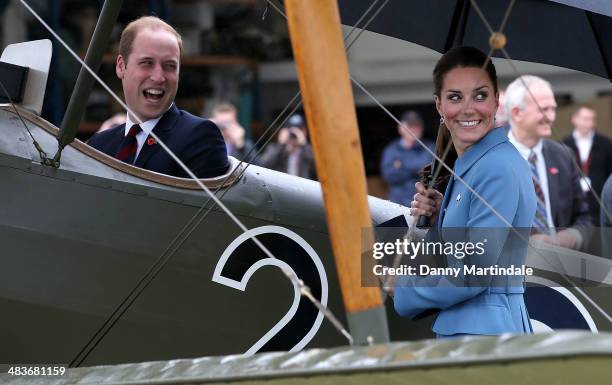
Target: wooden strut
(322, 68)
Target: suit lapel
(552, 162)
(595, 149)
(162, 130)
(572, 144)
(114, 143)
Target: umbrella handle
(423, 220)
(431, 180)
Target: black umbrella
(574, 34)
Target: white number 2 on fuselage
(309, 263)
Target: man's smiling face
(150, 73)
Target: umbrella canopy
(573, 34)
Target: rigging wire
(258, 149)
(568, 151)
(188, 229)
(183, 235)
(365, 13)
(94, 340)
(41, 153)
(598, 308)
(204, 188)
(440, 160)
(443, 164)
(544, 257)
(154, 270)
(389, 284)
(186, 232)
(517, 72)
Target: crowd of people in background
(289, 153)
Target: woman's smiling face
(468, 103)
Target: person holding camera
(291, 153)
(225, 116)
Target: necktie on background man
(128, 147)
(540, 220)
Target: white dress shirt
(584, 145)
(540, 166)
(146, 128)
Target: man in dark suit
(593, 153)
(148, 66)
(531, 112)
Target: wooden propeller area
(322, 68)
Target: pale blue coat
(495, 170)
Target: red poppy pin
(151, 141)
(553, 170)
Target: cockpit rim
(234, 173)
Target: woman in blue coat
(490, 194)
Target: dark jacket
(276, 157)
(246, 153)
(568, 204)
(195, 141)
(600, 167)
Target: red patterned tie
(127, 149)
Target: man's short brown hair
(131, 30)
(582, 106)
(224, 107)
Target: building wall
(399, 73)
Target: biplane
(139, 266)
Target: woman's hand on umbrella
(426, 202)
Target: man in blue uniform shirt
(403, 159)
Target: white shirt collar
(578, 137)
(524, 150)
(146, 127)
